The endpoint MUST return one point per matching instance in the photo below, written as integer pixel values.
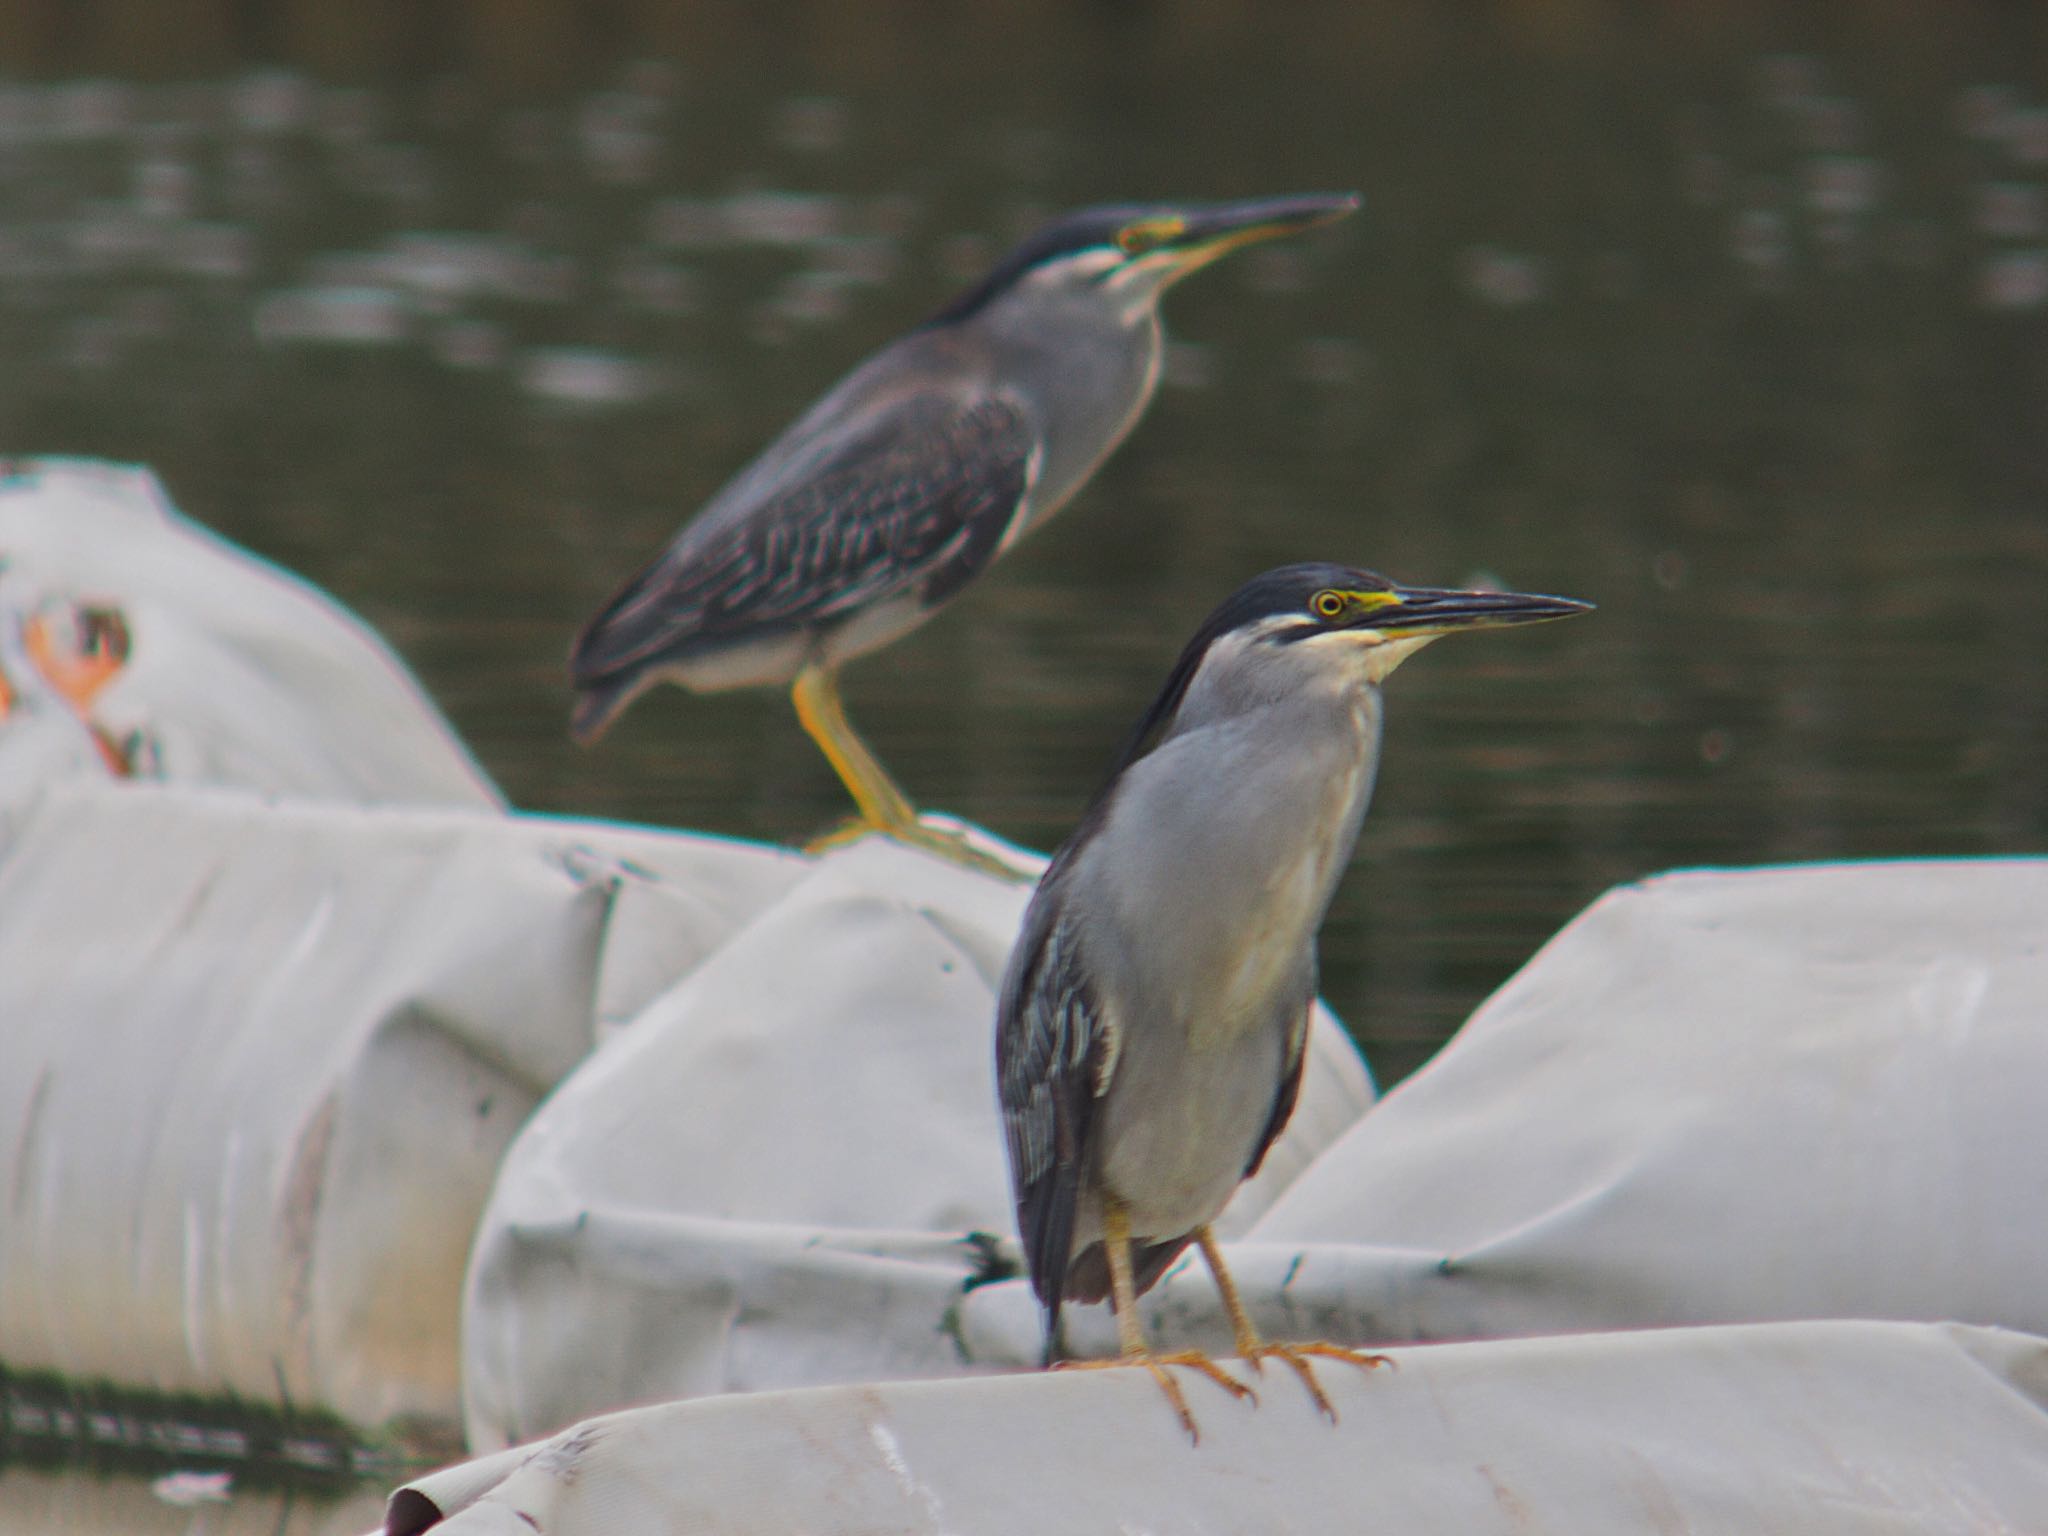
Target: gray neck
(1088, 376)
(1303, 764)
(1239, 810)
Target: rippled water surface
(1732, 323)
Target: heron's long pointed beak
(1216, 230)
(1438, 610)
(1261, 218)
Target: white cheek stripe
(1021, 516)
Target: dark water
(1733, 324)
(1730, 322)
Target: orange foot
(1193, 1359)
(947, 842)
(1297, 1356)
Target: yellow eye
(1327, 605)
(1148, 234)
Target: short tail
(598, 704)
(1088, 1276)
(1087, 1280)
(618, 653)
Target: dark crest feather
(1285, 589)
(1077, 231)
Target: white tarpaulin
(263, 1059)
(789, 1169)
(260, 1061)
(1716, 1096)
(1815, 1428)
(262, 1053)
(230, 670)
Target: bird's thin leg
(883, 807)
(1251, 1348)
(1248, 1345)
(1123, 1298)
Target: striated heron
(1152, 1022)
(912, 475)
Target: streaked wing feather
(1052, 1045)
(920, 497)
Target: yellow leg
(1123, 1297)
(882, 804)
(883, 807)
(1249, 1346)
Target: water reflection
(79, 1501)
(1728, 319)
(1735, 332)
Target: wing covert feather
(919, 497)
(1053, 1047)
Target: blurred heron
(912, 475)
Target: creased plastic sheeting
(239, 673)
(1714, 1097)
(1819, 1428)
(260, 1062)
(789, 1168)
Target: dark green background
(1728, 319)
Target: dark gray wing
(1290, 1087)
(920, 497)
(1053, 1048)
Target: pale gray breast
(1088, 380)
(1221, 851)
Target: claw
(943, 842)
(1296, 1355)
(848, 832)
(1193, 1360)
